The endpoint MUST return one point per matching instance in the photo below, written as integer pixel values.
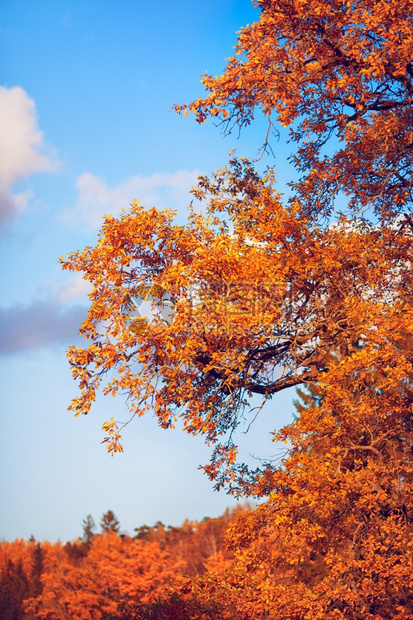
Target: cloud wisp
(42, 323)
(22, 149)
(95, 197)
(75, 288)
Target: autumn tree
(329, 70)
(197, 544)
(14, 588)
(21, 569)
(263, 292)
(257, 307)
(37, 554)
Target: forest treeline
(109, 574)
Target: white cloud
(21, 147)
(95, 197)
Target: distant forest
(110, 575)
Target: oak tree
(336, 71)
(266, 292)
(258, 301)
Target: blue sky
(86, 90)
